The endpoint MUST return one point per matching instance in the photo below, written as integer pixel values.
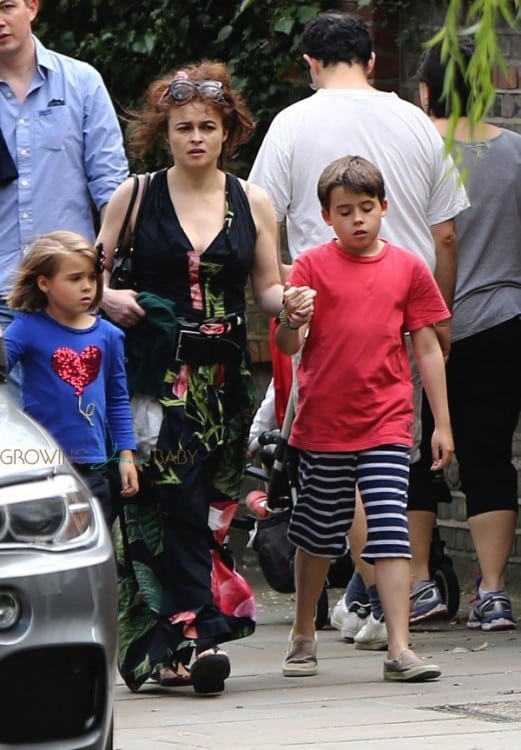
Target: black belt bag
(214, 342)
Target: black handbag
(222, 340)
(122, 272)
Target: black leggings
(484, 384)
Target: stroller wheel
(322, 612)
(448, 585)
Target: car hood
(25, 446)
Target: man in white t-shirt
(346, 115)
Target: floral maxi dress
(168, 556)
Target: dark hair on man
(334, 37)
(431, 71)
(353, 173)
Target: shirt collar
(44, 58)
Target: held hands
(442, 446)
(298, 305)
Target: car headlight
(56, 513)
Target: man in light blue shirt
(63, 136)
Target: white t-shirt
(421, 184)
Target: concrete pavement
(475, 705)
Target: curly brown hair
(149, 124)
(43, 259)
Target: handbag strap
(127, 249)
(130, 207)
(146, 182)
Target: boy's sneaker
(425, 603)
(338, 613)
(492, 612)
(301, 657)
(355, 620)
(373, 635)
(407, 667)
(349, 619)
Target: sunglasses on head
(183, 89)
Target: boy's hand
(442, 446)
(298, 303)
(128, 474)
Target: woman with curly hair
(201, 233)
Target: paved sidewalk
(476, 704)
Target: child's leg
(318, 527)
(382, 479)
(392, 581)
(356, 590)
(310, 576)
(357, 539)
(382, 475)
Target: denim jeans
(14, 379)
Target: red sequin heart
(77, 369)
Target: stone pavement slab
(475, 705)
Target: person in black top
(202, 233)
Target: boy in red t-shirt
(354, 414)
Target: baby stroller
(276, 553)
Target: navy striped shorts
(324, 511)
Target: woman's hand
(121, 307)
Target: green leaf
(284, 26)
(224, 33)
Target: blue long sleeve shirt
(74, 383)
(66, 142)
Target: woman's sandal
(209, 672)
(178, 675)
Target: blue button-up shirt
(67, 144)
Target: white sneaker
(338, 613)
(354, 620)
(372, 636)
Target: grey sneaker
(301, 657)
(492, 612)
(426, 604)
(373, 635)
(354, 620)
(407, 667)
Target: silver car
(58, 598)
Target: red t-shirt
(355, 389)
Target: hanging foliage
(133, 42)
(479, 19)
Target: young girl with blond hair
(74, 380)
